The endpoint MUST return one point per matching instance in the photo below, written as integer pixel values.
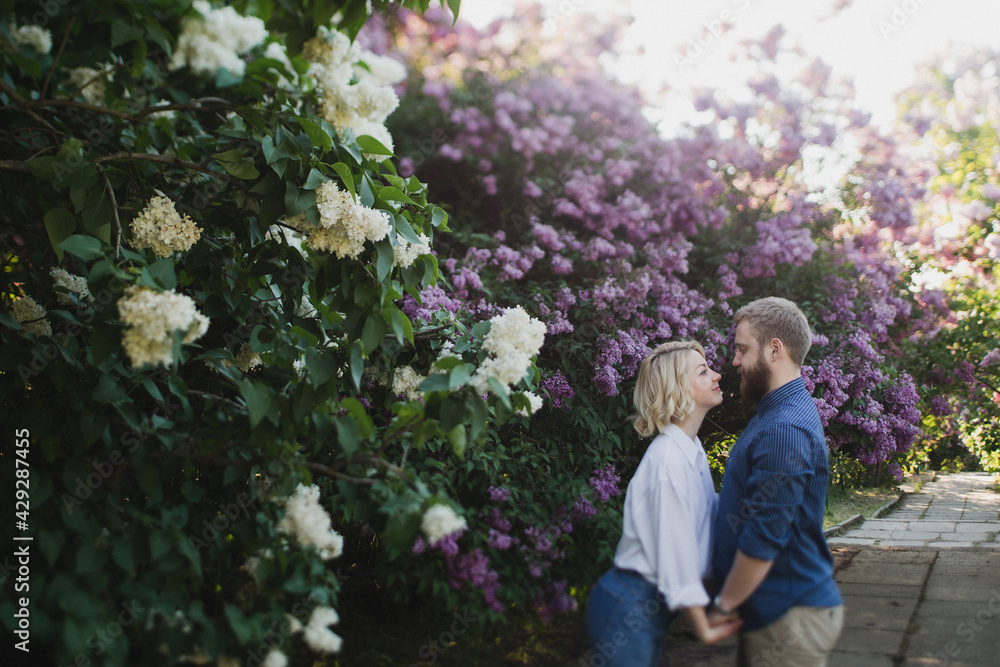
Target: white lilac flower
(316, 634)
(275, 658)
(216, 39)
(31, 316)
(73, 284)
(152, 318)
(309, 523)
(246, 359)
(344, 225)
(405, 382)
(406, 253)
(361, 106)
(37, 37)
(440, 521)
(514, 338)
(993, 243)
(91, 81)
(535, 404)
(276, 51)
(160, 227)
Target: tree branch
(167, 159)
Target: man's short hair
(773, 317)
(662, 389)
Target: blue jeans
(627, 621)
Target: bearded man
(768, 533)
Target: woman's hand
(720, 628)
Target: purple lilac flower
(498, 494)
(604, 482)
(558, 389)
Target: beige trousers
(803, 637)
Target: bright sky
(875, 42)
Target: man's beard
(755, 381)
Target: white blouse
(670, 506)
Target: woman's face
(705, 388)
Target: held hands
(718, 627)
(710, 626)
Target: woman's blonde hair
(662, 388)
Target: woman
(664, 552)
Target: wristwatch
(717, 608)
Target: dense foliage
(271, 342)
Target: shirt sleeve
(775, 490)
(668, 536)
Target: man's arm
(743, 579)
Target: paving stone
(850, 540)
(977, 526)
(907, 574)
(884, 524)
(901, 543)
(934, 526)
(868, 640)
(964, 537)
(895, 556)
(951, 545)
(849, 659)
(916, 535)
(866, 533)
(865, 611)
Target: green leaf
(357, 410)
(59, 223)
(237, 163)
(386, 258)
(390, 193)
(373, 333)
(122, 32)
(320, 366)
(298, 201)
(404, 229)
(42, 167)
(458, 377)
(400, 531)
(372, 146)
(314, 180)
(435, 382)
(401, 325)
(457, 437)
(261, 401)
(318, 137)
(224, 78)
(357, 364)
(346, 176)
(85, 247)
(348, 434)
(159, 274)
(439, 217)
(108, 390)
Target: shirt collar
(691, 448)
(776, 396)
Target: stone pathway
(959, 510)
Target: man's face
(755, 373)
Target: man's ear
(777, 346)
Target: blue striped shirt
(772, 504)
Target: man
(769, 528)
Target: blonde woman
(665, 549)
